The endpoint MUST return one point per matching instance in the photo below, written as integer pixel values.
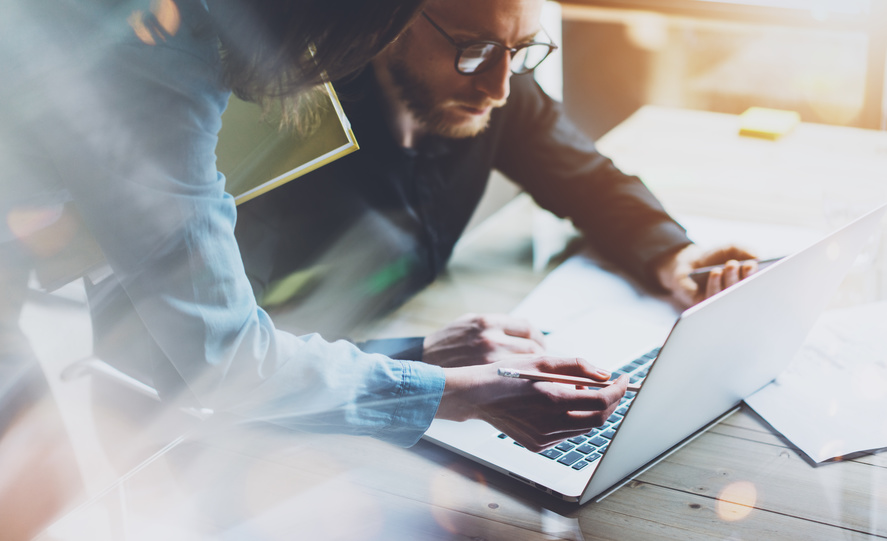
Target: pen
(558, 378)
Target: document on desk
(591, 310)
(830, 402)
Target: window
(822, 58)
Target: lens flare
(736, 501)
(833, 448)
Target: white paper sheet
(832, 400)
(592, 313)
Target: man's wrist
(456, 403)
(663, 269)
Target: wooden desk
(737, 481)
(697, 163)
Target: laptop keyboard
(579, 452)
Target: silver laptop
(718, 352)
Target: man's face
(421, 62)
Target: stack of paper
(831, 400)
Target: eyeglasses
(475, 57)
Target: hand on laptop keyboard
(580, 451)
(535, 414)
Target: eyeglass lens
(481, 56)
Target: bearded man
(450, 100)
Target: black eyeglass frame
(462, 47)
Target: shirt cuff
(421, 392)
(660, 242)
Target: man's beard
(419, 99)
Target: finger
(731, 273)
(538, 441)
(550, 440)
(614, 393)
(534, 443)
(529, 434)
(580, 422)
(687, 291)
(589, 402)
(720, 255)
(511, 344)
(520, 328)
(571, 366)
(715, 283)
(747, 269)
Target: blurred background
(824, 59)
(821, 58)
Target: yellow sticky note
(767, 123)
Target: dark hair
(266, 43)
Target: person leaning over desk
(115, 108)
(449, 101)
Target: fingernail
(603, 373)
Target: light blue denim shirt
(127, 130)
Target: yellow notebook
(256, 155)
(767, 123)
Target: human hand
(535, 414)
(481, 339)
(674, 273)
